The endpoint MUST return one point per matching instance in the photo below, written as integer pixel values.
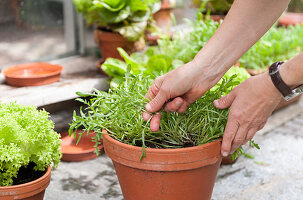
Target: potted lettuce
(28, 148)
(119, 23)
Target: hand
(177, 89)
(251, 103)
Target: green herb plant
(26, 135)
(119, 112)
(130, 18)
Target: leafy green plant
(130, 18)
(278, 43)
(26, 135)
(168, 55)
(216, 6)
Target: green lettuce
(130, 18)
(26, 135)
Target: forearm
(243, 26)
(292, 71)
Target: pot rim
(47, 173)
(155, 150)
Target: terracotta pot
(170, 174)
(228, 161)
(289, 18)
(28, 191)
(84, 150)
(32, 74)
(217, 18)
(163, 16)
(108, 43)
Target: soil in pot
(170, 174)
(27, 174)
(29, 185)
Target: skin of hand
(251, 103)
(184, 85)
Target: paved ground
(274, 174)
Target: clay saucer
(84, 150)
(32, 74)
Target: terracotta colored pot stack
(170, 174)
(29, 191)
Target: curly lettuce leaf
(26, 135)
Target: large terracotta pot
(108, 43)
(170, 174)
(28, 191)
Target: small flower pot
(108, 43)
(33, 190)
(290, 19)
(217, 18)
(228, 161)
(163, 16)
(170, 174)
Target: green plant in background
(168, 55)
(130, 18)
(219, 7)
(278, 43)
(26, 136)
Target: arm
(253, 101)
(245, 23)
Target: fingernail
(224, 154)
(216, 103)
(179, 102)
(148, 107)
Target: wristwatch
(287, 93)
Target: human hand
(251, 103)
(177, 89)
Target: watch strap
(277, 80)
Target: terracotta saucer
(84, 150)
(32, 74)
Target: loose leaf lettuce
(26, 135)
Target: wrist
(269, 85)
(289, 76)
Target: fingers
(155, 122)
(239, 138)
(228, 136)
(146, 116)
(251, 133)
(225, 101)
(174, 105)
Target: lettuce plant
(130, 18)
(26, 136)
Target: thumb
(225, 101)
(156, 103)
